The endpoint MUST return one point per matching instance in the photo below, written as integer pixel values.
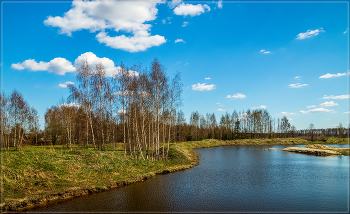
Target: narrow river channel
(232, 179)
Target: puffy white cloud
(64, 85)
(320, 110)
(298, 85)
(61, 66)
(203, 87)
(31, 64)
(131, 44)
(57, 65)
(219, 109)
(262, 106)
(312, 106)
(129, 17)
(264, 51)
(328, 75)
(190, 9)
(317, 110)
(184, 24)
(107, 63)
(328, 104)
(92, 59)
(347, 112)
(174, 3)
(238, 95)
(179, 40)
(220, 4)
(207, 78)
(287, 113)
(297, 77)
(339, 97)
(309, 33)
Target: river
(232, 179)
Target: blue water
(232, 179)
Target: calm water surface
(232, 179)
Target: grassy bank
(36, 175)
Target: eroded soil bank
(318, 150)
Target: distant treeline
(138, 107)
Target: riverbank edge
(28, 204)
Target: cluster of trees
(136, 106)
(257, 123)
(17, 118)
(311, 133)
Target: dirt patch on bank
(317, 150)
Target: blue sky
(288, 57)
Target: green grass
(36, 171)
(332, 140)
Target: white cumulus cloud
(264, 51)
(203, 87)
(92, 59)
(207, 78)
(61, 66)
(190, 9)
(339, 97)
(238, 95)
(174, 3)
(123, 16)
(57, 65)
(309, 33)
(317, 110)
(328, 75)
(298, 85)
(64, 85)
(179, 40)
(184, 24)
(288, 113)
(328, 104)
(107, 63)
(312, 106)
(131, 44)
(220, 4)
(262, 106)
